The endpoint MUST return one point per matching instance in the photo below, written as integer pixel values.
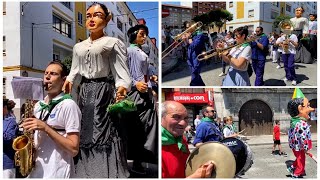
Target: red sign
(191, 98)
(165, 13)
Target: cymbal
(222, 157)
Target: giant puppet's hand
(67, 87)
(121, 93)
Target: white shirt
(228, 131)
(51, 160)
(99, 58)
(313, 27)
(197, 122)
(300, 24)
(292, 48)
(241, 51)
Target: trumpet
(178, 39)
(218, 51)
(286, 27)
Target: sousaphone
(220, 155)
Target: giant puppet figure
(101, 61)
(299, 134)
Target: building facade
(256, 109)
(194, 99)
(254, 14)
(177, 16)
(199, 8)
(35, 33)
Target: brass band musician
(238, 58)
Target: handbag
(250, 70)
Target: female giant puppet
(101, 61)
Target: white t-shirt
(292, 48)
(241, 51)
(197, 122)
(51, 160)
(228, 131)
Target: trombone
(178, 39)
(218, 51)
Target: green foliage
(278, 19)
(216, 17)
(67, 61)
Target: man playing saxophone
(56, 127)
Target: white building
(35, 33)
(254, 14)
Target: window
(67, 4)
(274, 14)
(113, 17)
(231, 28)
(56, 56)
(251, 13)
(118, 9)
(119, 24)
(61, 26)
(230, 4)
(130, 22)
(80, 20)
(4, 8)
(4, 87)
(4, 45)
(276, 4)
(288, 7)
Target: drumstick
(241, 131)
(313, 157)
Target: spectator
(10, 128)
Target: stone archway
(255, 117)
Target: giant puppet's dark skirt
(142, 127)
(102, 152)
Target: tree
(67, 61)
(219, 17)
(278, 19)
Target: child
(229, 129)
(276, 139)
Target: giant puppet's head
(299, 105)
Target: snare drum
(242, 154)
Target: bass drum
(242, 154)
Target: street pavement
(176, 73)
(266, 165)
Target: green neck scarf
(168, 139)
(295, 120)
(206, 119)
(135, 45)
(53, 103)
(245, 45)
(263, 34)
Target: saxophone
(24, 145)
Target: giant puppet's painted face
(141, 37)
(305, 109)
(298, 12)
(96, 19)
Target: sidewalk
(268, 139)
(264, 140)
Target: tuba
(286, 27)
(24, 157)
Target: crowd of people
(251, 54)
(83, 139)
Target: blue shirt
(257, 53)
(207, 131)
(10, 129)
(138, 63)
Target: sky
(172, 3)
(150, 14)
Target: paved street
(180, 75)
(266, 165)
(274, 166)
